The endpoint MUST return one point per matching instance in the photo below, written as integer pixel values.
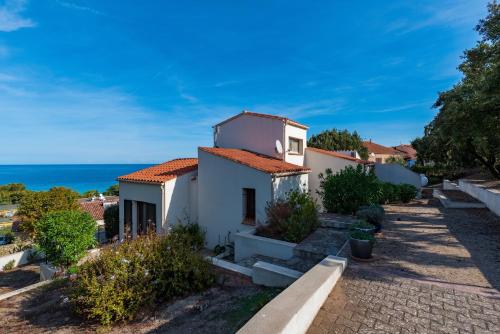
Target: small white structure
(255, 159)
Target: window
(249, 206)
(146, 218)
(378, 160)
(294, 145)
(127, 219)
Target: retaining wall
(247, 244)
(490, 197)
(19, 258)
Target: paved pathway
(437, 271)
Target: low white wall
(271, 275)
(247, 244)
(490, 197)
(448, 185)
(397, 174)
(294, 309)
(19, 258)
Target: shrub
(112, 221)
(407, 192)
(113, 190)
(360, 235)
(35, 204)
(291, 219)
(347, 190)
(9, 265)
(135, 274)
(373, 214)
(192, 233)
(361, 225)
(389, 193)
(64, 236)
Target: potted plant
(363, 226)
(361, 244)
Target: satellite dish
(278, 147)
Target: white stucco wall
(220, 204)
(490, 197)
(283, 185)
(150, 193)
(299, 133)
(178, 194)
(397, 174)
(318, 163)
(253, 133)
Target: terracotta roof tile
(163, 172)
(336, 154)
(95, 208)
(379, 149)
(284, 119)
(260, 162)
(408, 151)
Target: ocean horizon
(78, 177)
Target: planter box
(19, 258)
(247, 244)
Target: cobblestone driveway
(437, 271)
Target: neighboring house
(379, 154)
(319, 160)
(95, 207)
(256, 159)
(410, 154)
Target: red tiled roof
(95, 208)
(163, 172)
(336, 154)
(283, 119)
(260, 162)
(379, 149)
(408, 150)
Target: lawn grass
(248, 306)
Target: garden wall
(397, 174)
(490, 197)
(247, 244)
(19, 258)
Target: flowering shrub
(291, 219)
(136, 274)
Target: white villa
(255, 159)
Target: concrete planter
(365, 230)
(247, 244)
(361, 249)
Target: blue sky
(133, 82)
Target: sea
(77, 177)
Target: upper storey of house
(271, 135)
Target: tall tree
(466, 131)
(339, 140)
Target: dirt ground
(222, 309)
(19, 277)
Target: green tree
(12, 193)
(90, 193)
(65, 236)
(114, 190)
(396, 160)
(111, 221)
(34, 205)
(339, 140)
(466, 131)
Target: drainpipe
(284, 141)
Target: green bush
(192, 233)
(291, 219)
(135, 274)
(65, 236)
(112, 221)
(407, 192)
(389, 193)
(360, 235)
(373, 214)
(113, 190)
(348, 189)
(9, 265)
